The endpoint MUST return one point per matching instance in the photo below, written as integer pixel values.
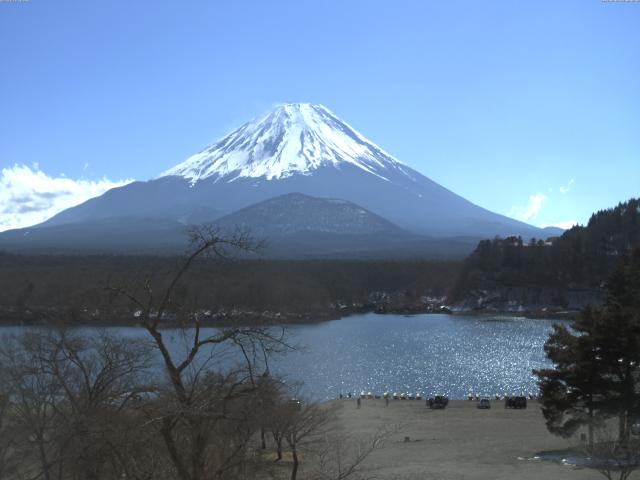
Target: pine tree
(620, 341)
(573, 392)
(596, 370)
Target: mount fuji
(296, 148)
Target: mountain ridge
(295, 212)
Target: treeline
(80, 288)
(583, 257)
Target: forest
(582, 258)
(77, 289)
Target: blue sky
(530, 109)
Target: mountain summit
(296, 148)
(294, 138)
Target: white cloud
(568, 187)
(29, 196)
(565, 225)
(529, 211)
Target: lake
(430, 353)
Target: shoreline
(283, 319)
(278, 318)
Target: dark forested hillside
(74, 288)
(564, 271)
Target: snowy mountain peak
(294, 138)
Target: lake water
(427, 353)
(430, 353)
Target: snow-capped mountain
(294, 138)
(295, 148)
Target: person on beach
(358, 402)
(386, 401)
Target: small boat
(418, 396)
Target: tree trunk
(172, 448)
(590, 427)
(294, 469)
(43, 458)
(278, 439)
(627, 405)
(621, 427)
(197, 452)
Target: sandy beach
(460, 442)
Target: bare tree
(32, 399)
(8, 462)
(277, 423)
(98, 376)
(68, 394)
(613, 457)
(304, 423)
(340, 456)
(96, 406)
(202, 415)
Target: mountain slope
(136, 235)
(295, 213)
(295, 148)
(294, 226)
(299, 226)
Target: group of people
(471, 397)
(429, 402)
(502, 396)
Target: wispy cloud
(567, 187)
(529, 211)
(29, 196)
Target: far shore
(273, 318)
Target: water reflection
(429, 353)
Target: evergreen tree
(620, 341)
(573, 391)
(596, 370)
